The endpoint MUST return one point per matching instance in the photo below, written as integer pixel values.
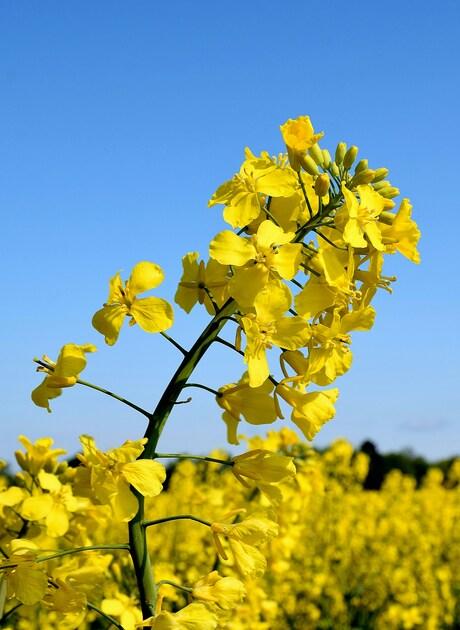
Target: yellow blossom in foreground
(244, 195)
(403, 233)
(192, 617)
(267, 255)
(64, 373)
(298, 135)
(224, 592)
(200, 282)
(359, 217)
(151, 313)
(254, 404)
(269, 326)
(54, 506)
(39, 455)
(25, 580)
(309, 411)
(112, 473)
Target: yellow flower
(267, 255)
(55, 506)
(224, 592)
(151, 313)
(403, 234)
(244, 194)
(254, 404)
(359, 218)
(298, 135)
(263, 466)
(309, 411)
(243, 539)
(197, 279)
(25, 581)
(38, 455)
(125, 608)
(192, 617)
(113, 472)
(269, 327)
(64, 373)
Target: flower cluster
(296, 274)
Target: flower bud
(389, 192)
(364, 177)
(380, 173)
(326, 158)
(316, 154)
(387, 217)
(380, 185)
(361, 166)
(335, 169)
(340, 152)
(322, 184)
(309, 165)
(350, 156)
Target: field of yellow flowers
(334, 555)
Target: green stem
(205, 458)
(305, 196)
(205, 387)
(112, 395)
(178, 517)
(174, 343)
(107, 392)
(157, 420)
(105, 616)
(8, 614)
(68, 552)
(179, 586)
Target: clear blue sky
(118, 121)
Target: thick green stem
(157, 420)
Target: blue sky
(119, 120)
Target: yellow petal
(230, 249)
(146, 476)
(243, 209)
(247, 283)
(27, 585)
(152, 314)
(317, 408)
(144, 276)
(270, 234)
(57, 521)
(291, 333)
(42, 394)
(272, 302)
(71, 360)
(109, 320)
(287, 260)
(36, 508)
(124, 504)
